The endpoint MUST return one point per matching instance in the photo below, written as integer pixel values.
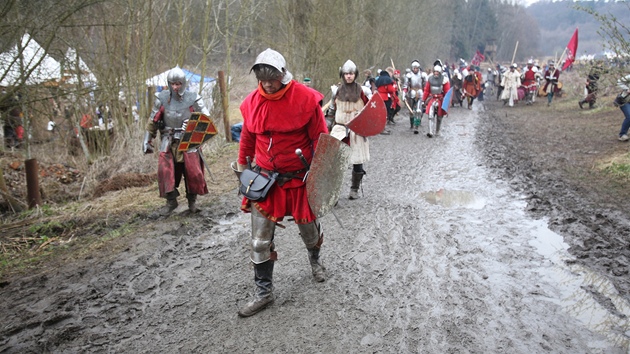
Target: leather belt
(293, 174)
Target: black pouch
(255, 186)
(621, 99)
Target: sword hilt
(302, 158)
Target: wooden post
(225, 105)
(32, 183)
(514, 55)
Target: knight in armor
(434, 90)
(171, 112)
(529, 81)
(348, 99)
(552, 76)
(414, 84)
(280, 116)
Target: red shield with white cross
(372, 118)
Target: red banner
(571, 50)
(477, 59)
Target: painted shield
(199, 129)
(325, 176)
(372, 118)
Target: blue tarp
(196, 78)
(236, 132)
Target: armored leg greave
(263, 231)
(263, 257)
(313, 237)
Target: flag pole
(562, 56)
(514, 55)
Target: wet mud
(442, 254)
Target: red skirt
(290, 199)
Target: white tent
(73, 65)
(42, 67)
(194, 80)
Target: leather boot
(192, 202)
(581, 103)
(171, 204)
(316, 266)
(356, 183)
(263, 278)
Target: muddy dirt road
(439, 256)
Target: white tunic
(510, 82)
(346, 111)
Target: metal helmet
(415, 64)
(274, 59)
(437, 68)
(348, 67)
(176, 74)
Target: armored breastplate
(415, 81)
(436, 84)
(175, 111)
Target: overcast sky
(527, 2)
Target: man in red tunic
(552, 75)
(280, 116)
(528, 80)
